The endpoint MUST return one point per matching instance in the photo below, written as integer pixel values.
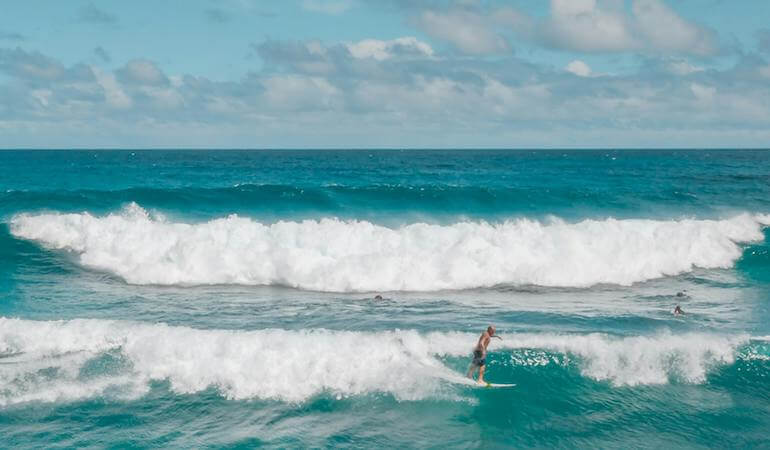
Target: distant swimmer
(678, 311)
(480, 354)
(378, 297)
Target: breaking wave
(342, 256)
(71, 360)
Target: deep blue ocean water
(227, 298)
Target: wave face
(342, 256)
(77, 359)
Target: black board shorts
(478, 358)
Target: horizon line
(372, 148)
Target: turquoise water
(226, 298)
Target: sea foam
(70, 360)
(336, 255)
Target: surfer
(480, 354)
(678, 311)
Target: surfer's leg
(482, 369)
(471, 369)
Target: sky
(385, 74)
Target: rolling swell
(343, 256)
(755, 262)
(358, 201)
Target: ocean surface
(227, 298)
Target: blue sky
(387, 73)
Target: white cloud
(573, 7)
(164, 97)
(588, 25)
(309, 56)
(114, 94)
(316, 48)
(176, 81)
(295, 92)
(142, 71)
(469, 31)
(381, 50)
(579, 68)
(30, 65)
(607, 26)
(704, 94)
(378, 97)
(333, 7)
(682, 67)
(664, 30)
(42, 96)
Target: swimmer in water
(678, 311)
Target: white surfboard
(470, 382)
(496, 385)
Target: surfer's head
(491, 330)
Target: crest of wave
(266, 364)
(69, 360)
(336, 255)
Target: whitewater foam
(55, 360)
(342, 256)
(640, 360)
